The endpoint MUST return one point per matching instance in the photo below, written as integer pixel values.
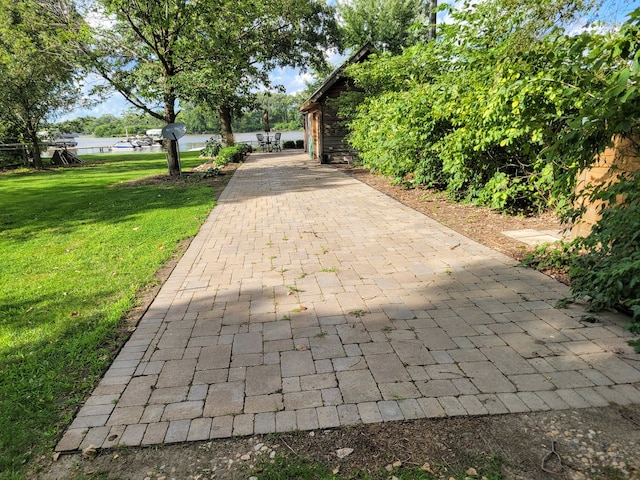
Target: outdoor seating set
(269, 144)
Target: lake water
(89, 144)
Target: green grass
(298, 468)
(76, 244)
(329, 270)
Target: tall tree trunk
(35, 148)
(225, 126)
(173, 159)
(432, 19)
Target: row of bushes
(291, 144)
(503, 110)
(233, 154)
(213, 148)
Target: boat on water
(155, 134)
(143, 140)
(64, 140)
(139, 141)
(125, 145)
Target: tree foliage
(276, 34)
(474, 112)
(142, 49)
(283, 112)
(388, 25)
(605, 265)
(36, 76)
(211, 54)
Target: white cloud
(302, 79)
(115, 105)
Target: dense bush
(604, 266)
(211, 148)
(477, 112)
(235, 154)
(11, 158)
(288, 144)
(609, 271)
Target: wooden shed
(324, 136)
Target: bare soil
(594, 443)
(478, 223)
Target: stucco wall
(623, 157)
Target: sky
(294, 80)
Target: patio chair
(276, 142)
(261, 142)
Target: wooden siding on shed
(335, 146)
(325, 135)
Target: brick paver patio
(310, 300)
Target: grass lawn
(76, 244)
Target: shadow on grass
(32, 410)
(69, 246)
(60, 200)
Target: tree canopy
(208, 53)
(36, 75)
(389, 25)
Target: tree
(199, 119)
(36, 77)
(213, 53)
(268, 35)
(389, 25)
(141, 49)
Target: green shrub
(507, 109)
(211, 172)
(211, 148)
(11, 158)
(604, 266)
(299, 143)
(246, 148)
(235, 154)
(608, 272)
(288, 144)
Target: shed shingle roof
(361, 54)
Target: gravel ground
(594, 443)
